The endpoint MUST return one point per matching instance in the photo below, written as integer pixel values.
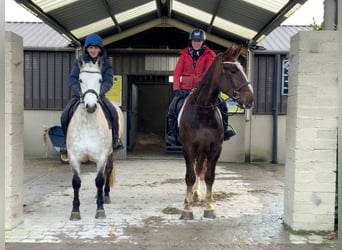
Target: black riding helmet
(197, 34)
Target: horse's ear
(233, 51)
(80, 62)
(229, 52)
(99, 62)
(237, 51)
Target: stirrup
(171, 140)
(63, 150)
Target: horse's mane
(205, 81)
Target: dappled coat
(186, 75)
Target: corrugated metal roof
(279, 39)
(37, 34)
(225, 21)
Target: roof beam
(108, 9)
(164, 22)
(168, 6)
(130, 32)
(210, 37)
(158, 4)
(214, 15)
(276, 21)
(49, 20)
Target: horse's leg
(190, 178)
(200, 167)
(209, 211)
(197, 189)
(99, 181)
(76, 184)
(109, 180)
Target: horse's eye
(234, 71)
(80, 80)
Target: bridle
(236, 90)
(92, 91)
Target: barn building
(147, 91)
(143, 39)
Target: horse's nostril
(91, 109)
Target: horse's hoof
(187, 215)
(100, 214)
(75, 216)
(106, 200)
(210, 214)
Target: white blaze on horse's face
(239, 66)
(90, 79)
(242, 70)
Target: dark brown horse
(201, 128)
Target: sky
(304, 16)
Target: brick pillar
(311, 131)
(14, 129)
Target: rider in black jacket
(93, 49)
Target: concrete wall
(36, 122)
(233, 150)
(262, 138)
(311, 131)
(260, 143)
(14, 129)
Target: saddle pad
(181, 111)
(57, 137)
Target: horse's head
(90, 79)
(235, 82)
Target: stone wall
(311, 131)
(14, 129)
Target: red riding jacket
(186, 76)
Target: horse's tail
(45, 135)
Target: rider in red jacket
(191, 66)
(188, 72)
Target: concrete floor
(146, 201)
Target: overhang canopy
(225, 21)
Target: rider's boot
(172, 121)
(65, 119)
(63, 149)
(116, 142)
(228, 130)
(64, 125)
(172, 136)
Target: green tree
(315, 26)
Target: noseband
(236, 90)
(87, 92)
